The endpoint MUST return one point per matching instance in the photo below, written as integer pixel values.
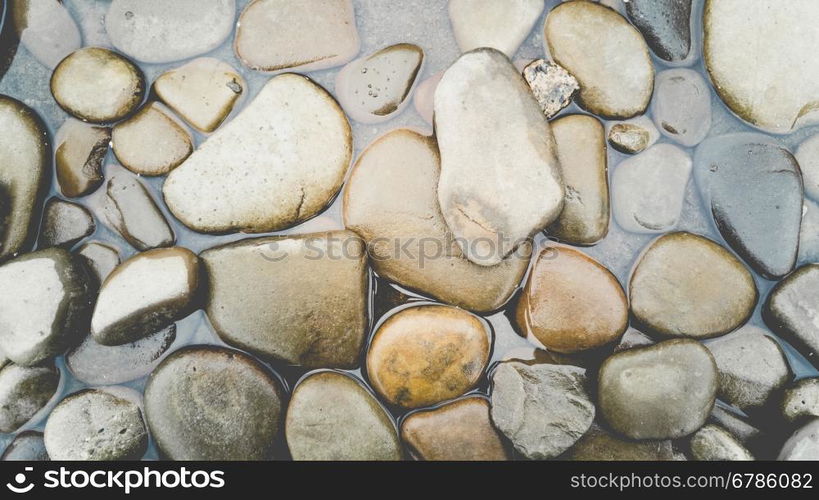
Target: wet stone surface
(134, 214)
(632, 136)
(424, 355)
(486, 23)
(97, 424)
(790, 310)
(682, 106)
(713, 443)
(27, 446)
(803, 444)
(151, 142)
(224, 405)
(598, 444)
(64, 224)
(666, 26)
(23, 392)
(80, 151)
(542, 409)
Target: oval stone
(144, 294)
(97, 424)
(664, 391)
(606, 54)
(713, 443)
(278, 163)
(97, 85)
(23, 392)
(47, 308)
(685, 285)
(332, 416)
(377, 87)
(456, 431)
(391, 201)
(81, 148)
(309, 35)
(784, 92)
(27, 446)
(152, 142)
(666, 26)
(64, 224)
(682, 106)
(488, 23)
(131, 210)
(500, 177)
(45, 28)
(158, 31)
(427, 354)
(803, 444)
(212, 403)
(571, 303)
(791, 310)
(24, 159)
(581, 150)
(298, 299)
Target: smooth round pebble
(803, 444)
(713, 443)
(791, 310)
(152, 142)
(81, 149)
(64, 224)
(24, 391)
(427, 354)
(682, 106)
(27, 446)
(212, 403)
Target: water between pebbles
(380, 24)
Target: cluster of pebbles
(591, 257)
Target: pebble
(101, 258)
(98, 364)
(158, 31)
(606, 54)
(97, 85)
(809, 233)
(226, 406)
(391, 201)
(24, 160)
(752, 368)
(377, 87)
(24, 391)
(571, 302)
(203, 92)
(791, 310)
(753, 188)
(456, 431)
(633, 338)
(682, 106)
(27, 446)
(665, 391)
(581, 151)
(425, 96)
(600, 445)
(542, 409)
(551, 84)
(738, 426)
(332, 416)
(81, 149)
(803, 444)
(632, 136)
(486, 119)
(64, 224)
(685, 285)
(309, 35)
(783, 93)
(801, 400)
(46, 29)
(424, 355)
(712, 443)
(666, 26)
(299, 299)
(278, 163)
(807, 155)
(46, 309)
(487, 23)
(144, 294)
(648, 190)
(97, 424)
(134, 214)
(152, 142)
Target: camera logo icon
(21, 485)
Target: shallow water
(380, 23)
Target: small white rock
(152, 142)
(490, 23)
(682, 106)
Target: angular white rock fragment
(203, 92)
(46, 29)
(308, 34)
(377, 87)
(278, 163)
(606, 54)
(159, 31)
(682, 106)
(762, 59)
(500, 178)
(648, 190)
(490, 23)
(551, 84)
(152, 142)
